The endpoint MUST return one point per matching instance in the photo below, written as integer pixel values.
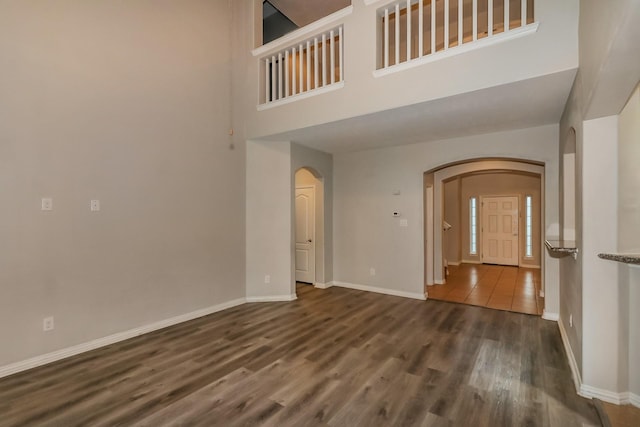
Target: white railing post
(523, 12)
(286, 74)
(421, 28)
(324, 59)
(506, 15)
(460, 22)
(475, 20)
(341, 54)
(267, 84)
(333, 56)
(308, 67)
(408, 30)
(490, 18)
(433, 26)
(386, 38)
(316, 61)
(397, 34)
(293, 72)
(301, 70)
(273, 78)
(280, 75)
(446, 25)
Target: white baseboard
(554, 317)
(440, 282)
(385, 291)
(322, 285)
(575, 370)
(541, 293)
(273, 298)
(468, 261)
(588, 391)
(456, 263)
(45, 359)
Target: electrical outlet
(372, 271)
(267, 279)
(47, 324)
(47, 204)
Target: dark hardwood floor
(334, 357)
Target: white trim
(273, 298)
(385, 291)
(55, 356)
(440, 282)
(541, 293)
(304, 95)
(624, 398)
(528, 266)
(456, 263)
(554, 317)
(370, 2)
(573, 364)
(468, 261)
(634, 399)
(293, 36)
(322, 285)
(457, 50)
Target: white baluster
(523, 12)
(475, 20)
(324, 59)
(433, 26)
(460, 22)
(386, 38)
(280, 75)
(301, 67)
(294, 85)
(490, 18)
(267, 85)
(273, 78)
(446, 24)
(506, 15)
(286, 74)
(307, 69)
(333, 57)
(341, 48)
(421, 28)
(408, 30)
(397, 33)
(316, 58)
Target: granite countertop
(625, 258)
(563, 246)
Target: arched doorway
(434, 194)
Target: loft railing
(413, 29)
(305, 67)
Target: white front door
(500, 230)
(305, 234)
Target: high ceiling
(304, 12)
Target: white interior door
(305, 235)
(500, 230)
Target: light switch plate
(95, 205)
(47, 204)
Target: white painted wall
(128, 103)
(366, 235)
(629, 176)
(600, 298)
(269, 226)
(322, 163)
(552, 49)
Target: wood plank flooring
(335, 357)
(494, 286)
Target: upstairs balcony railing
(410, 30)
(304, 68)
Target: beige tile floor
(494, 286)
